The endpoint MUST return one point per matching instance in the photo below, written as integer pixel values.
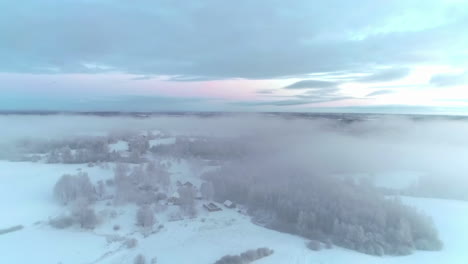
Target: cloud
(254, 39)
(299, 100)
(142, 78)
(386, 75)
(124, 103)
(288, 102)
(308, 84)
(265, 91)
(381, 92)
(449, 79)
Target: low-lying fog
(434, 147)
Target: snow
(119, 146)
(26, 189)
(228, 203)
(162, 141)
(227, 232)
(26, 198)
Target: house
(229, 204)
(174, 199)
(211, 207)
(188, 184)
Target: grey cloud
(108, 103)
(328, 98)
(254, 39)
(280, 102)
(386, 75)
(332, 91)
(142, 78)
(381, 92)
(449, 79)
(265, 91)
(308, 84)
(300, 100)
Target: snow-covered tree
(187, 200)
(145, 217)
(66, 155)
(71, 187)
(157, 171)
(84, 215)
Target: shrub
(86, 217)
(140, 259)
(314, 245)
(145, 217)
(245, 257)
(230, 260)
(61, 222)
(131, 243)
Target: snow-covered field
(26, 199)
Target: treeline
(325, 208)
(78, 150)
(202, 148)
(94, 149)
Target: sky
(384, 56)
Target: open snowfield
(26, 199)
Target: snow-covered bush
(145, 217)
(314, 245)
(61, 222)
(228, 259)
(139, 259)
(246, 257)
(131, 243)
(85, 217)
(114, 238)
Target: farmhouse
(229, 204)
(174, 199)
(211, 207)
